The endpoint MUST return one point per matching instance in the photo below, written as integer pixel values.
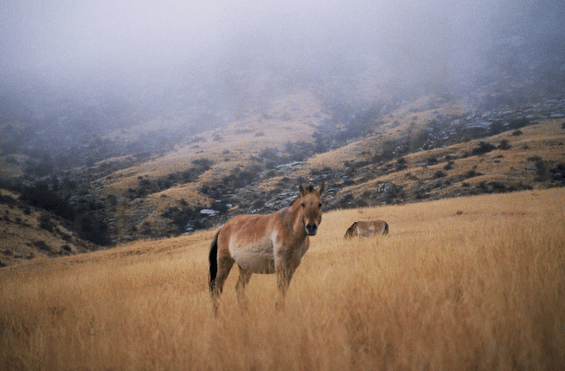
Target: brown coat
(367, 228)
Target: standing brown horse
(367, 228)
(273, 243)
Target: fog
(151, 58)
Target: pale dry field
(478, 290)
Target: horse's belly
(256, 258)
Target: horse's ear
(302, 190)
(321, 189)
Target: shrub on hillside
(401, 164)
(183, 219)
(439, 174)
(471, 174)
(42, 246)
(410, 176)
(46, 223)
(504, 145)
(483, 147)
(431, 161)
(7, 200)
(541, 171)
(65, 250)
(241, 178)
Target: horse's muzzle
(311, 229)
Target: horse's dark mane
(309, 188)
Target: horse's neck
(291, 217)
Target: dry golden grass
(478, 290)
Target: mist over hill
(91, 68)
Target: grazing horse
(367, 228)
(273, 243)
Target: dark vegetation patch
(241, 178)
(439, 174)
(483, 148)
(79, 213)
(40, 196)
(470, 174)
(499, 187)
(41, 245)
(504, 145)
(46, 223)
(8, 200)
(183, 219)
(449, 165)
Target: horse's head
(311, 207)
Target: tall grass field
(472, 283)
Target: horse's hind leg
(244, 277)
(224, 266)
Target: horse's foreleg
(284, 274)
(244, 277)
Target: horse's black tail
(386, 229)
(213, 258)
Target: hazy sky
(119, 42)
(53, 33)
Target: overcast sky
(117, 42)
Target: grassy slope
(480, 289)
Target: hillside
(29, 232)
(422, 150)
(403, 152)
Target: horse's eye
(303, 204)
(320, 204)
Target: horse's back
(246, 226)
(380, 226)
(367, 228)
